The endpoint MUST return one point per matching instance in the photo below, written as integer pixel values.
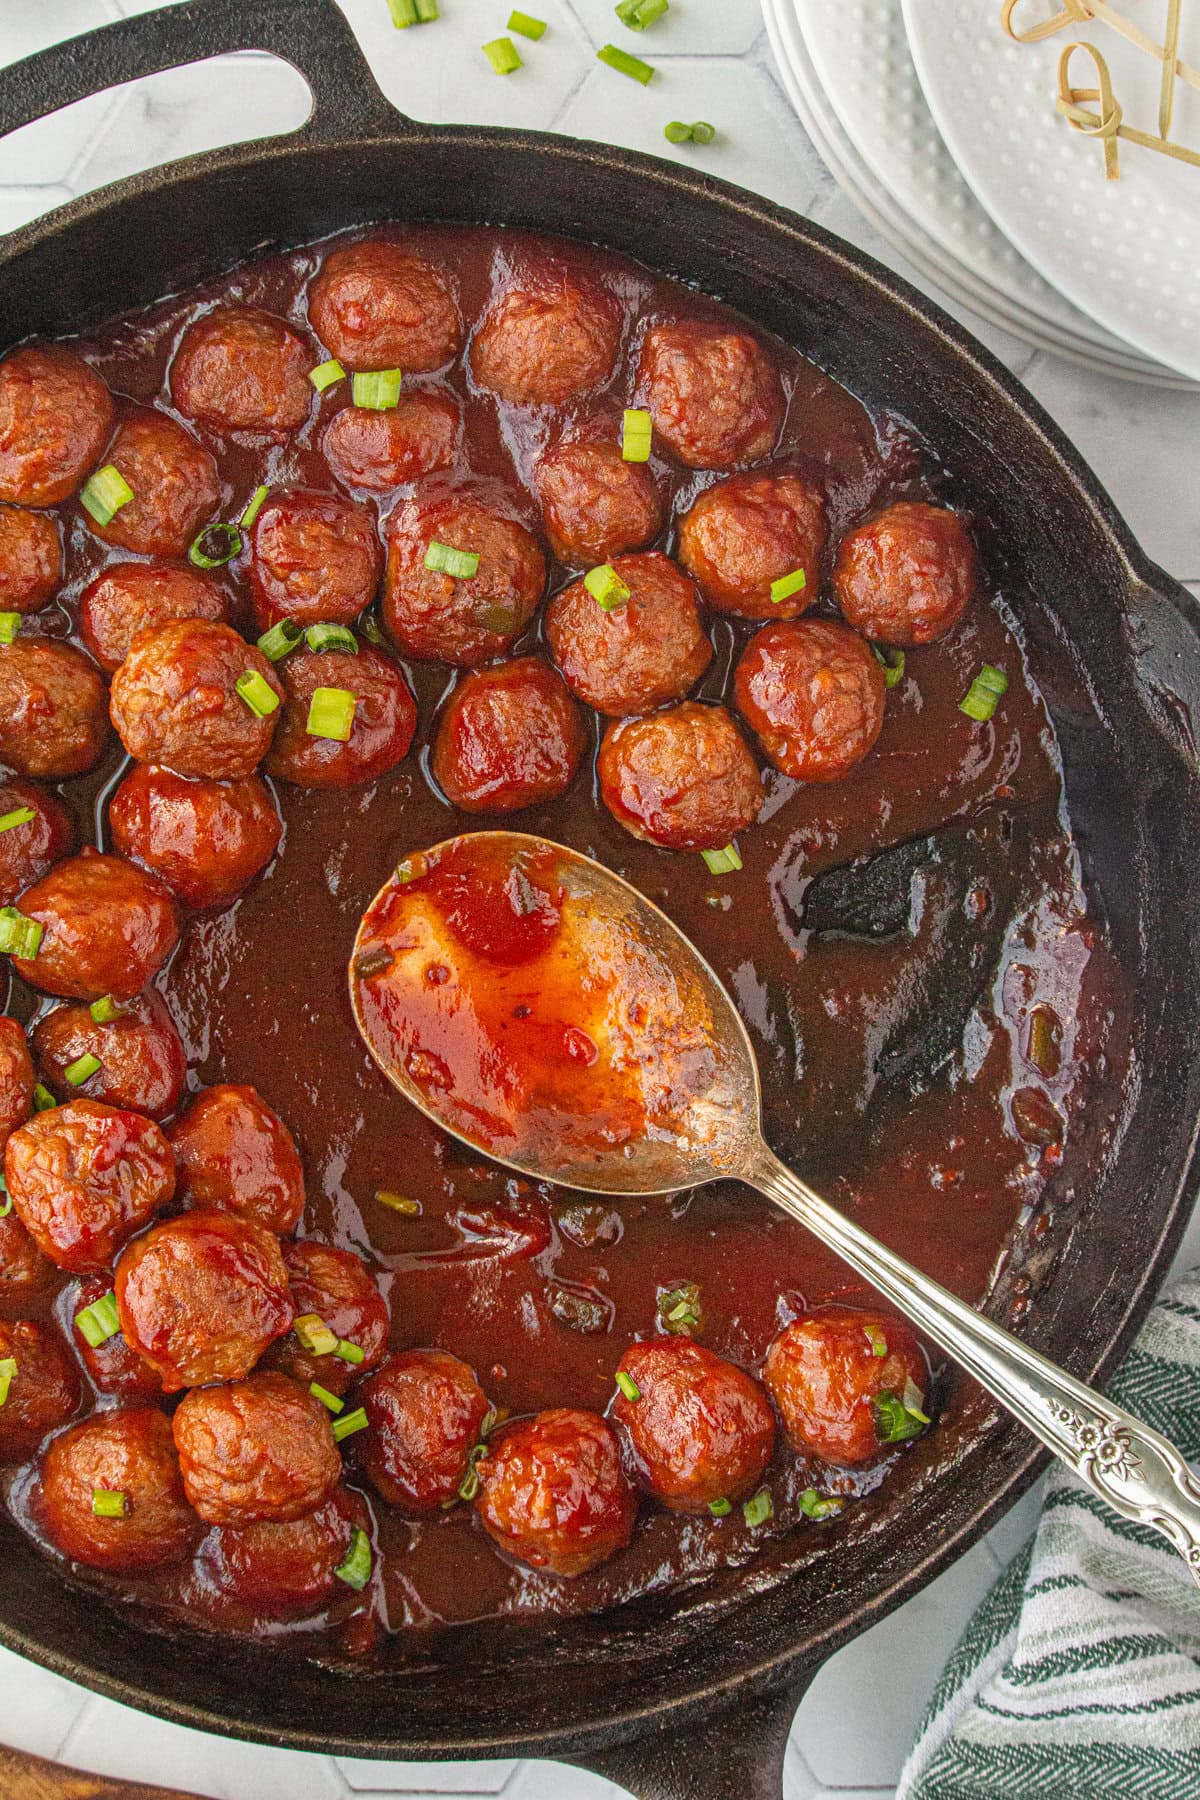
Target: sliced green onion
(331, 714)
(325, 1397)
(676, 132)
(895, 1421)
(723, 862)
(525, 25)
(6, 1205)
(819, 1506)
(331, 637)
(280, 640)
(624, 64)
(502, 53)
(983, 693)
(377, 390)
(349, 1423)
(606, 587)
(444, 559)
(628, 1386)
(637, 14)
(20, 815)
(427, 11)
(398, 1202)
(10, 625)
(8, 1368)
(720, 1509)
(98, 1322)
(19, 936)
(257, 692)
(43, 1099)
(876, 1340)
(253, 507)
(326, 374)
(109, 1503)
(758, 1510)
(679, 1308)
(349, 1351)
(370, 628)
(468, 1487)
(356, 1570)
(637, 431)
(215, 545)
(82, 1069)
(105, 494)
(914, 1400)
(315, 1334)
(404, 13)
(105, 1010)
(787, 585)
(893, 665)
(703, 132)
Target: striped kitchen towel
(1079, 1676)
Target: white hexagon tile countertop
(713, 61)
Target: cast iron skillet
(687, 1695)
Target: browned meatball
(830, 1370)
(700, 1429)
(750, 531)
(553, 1493)
(682, 779)
(315, 557)
(424, 1412)
(813, 694)
(175, 487)
(241, 369)
(201, 1297)
(23, 1268)
(595, 504)
(133, 597)
(142, 1061)
(510, 737)
(232, 1153)
(444, 618)
(283, 1571)
(31, 559)
(34, 845)
(647, 651)
(114, 1366)
(546, 339)
(714, 393)
(126, 1451)
(174, 700)
(336, 1287)
(381, 730)
(16, 1078)
(43, 1392)
(84, 1177)
(206, 839)
(55, 415)
(108, 928)
(380, 451)
(52, 708)
(256, 1449)
(908, 575)
(381, 305)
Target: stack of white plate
(944, 132)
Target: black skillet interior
(1114, 644)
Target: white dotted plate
(1126, 252)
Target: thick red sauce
(891, 1026)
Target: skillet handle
(312, 35)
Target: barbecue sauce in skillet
(888, 942)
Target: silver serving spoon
(706, 1125)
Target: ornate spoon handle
(1134, 1469)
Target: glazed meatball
(23, 1268)
(682, 779)
(813, 694)
(385, 717)
(380, 451)
(510, 737)
(142, 1061)
(175, 487)
(241, 369)
(16, 1078)
(828, 1370)
(115, 1368)
(380, 305)
(52, 708)
(908, 575)
(43, 1392)
(336, 1287)
(639, 655)
(233, 1154)
(424, 1411)
(547, 339)
(594, 503)
(750, 531)
(55, 417)
(84, 1177)
(206, 840)
(34, 845)
(201, 1297)
(315, 557)
(31, 559)
(255, 1449)
(108, 928)
(133, 597)
(127, 1451)
(283, 1571)
(443, 618)
(714, 394)
(700, 1430)
(174, 700)
(553, 1493)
